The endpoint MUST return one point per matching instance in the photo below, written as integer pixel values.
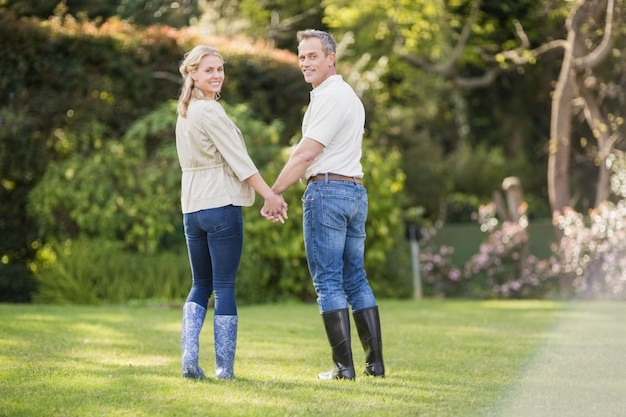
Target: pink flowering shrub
(591, 254)
(439, 275)
(503, 267)
(589, 260)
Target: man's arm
(301, 158)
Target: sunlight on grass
(443, 358)
(578, 370)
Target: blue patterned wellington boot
(193, 319)
(225, 329)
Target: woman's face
(209, 76)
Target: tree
(468, 46)
(279, 20)
(141, 13)
(273, 21)
(433, 75)
(586, 46)
(581, 56)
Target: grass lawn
(443, 358)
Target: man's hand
(275, 209)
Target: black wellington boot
(367, 323)
(337, 324)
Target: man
(327, 159)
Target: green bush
(102, 271)
(71, 89)
(128, 192)
(478, 170)
(16, 283)
(274, 266)
(461, 208)
(119, 192)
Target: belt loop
(326, 178)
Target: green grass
(443, 358)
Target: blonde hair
(190, 63)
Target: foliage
(273, 264)
(165, 12)
(119, 192)
(591, 254)
(128, 192)
(269, 83)
(503, 266)
(587, 261)
(440, 278)
(17, 284)
(477, 170)
(73, 88)
(20, 165)
(429, 117)
(428, 179)
(460, 207)
(99, 271)
(279, 20)
(66, 86)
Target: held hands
(275, 209)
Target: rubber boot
(225, 330)
(337, 325)
(193, 319)
(367, 323)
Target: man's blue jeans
(214, 242)
(334, 236)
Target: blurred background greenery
(456, 101)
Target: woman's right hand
(275, 209)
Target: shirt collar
(326, 84)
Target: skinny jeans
(214, 242)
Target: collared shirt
(335, 118)
(213, 158)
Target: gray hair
(328, 43)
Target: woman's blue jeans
(214, 242)
(334, 236)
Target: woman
(218, 178)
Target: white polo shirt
(335, 118)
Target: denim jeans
(214, 242)
(334, 236)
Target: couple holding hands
(219, 178)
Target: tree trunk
(560, 131)
(600, 127)
(578, 58)
(562, 112)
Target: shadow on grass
(443, 359)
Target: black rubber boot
(337, 324)
(367, 323)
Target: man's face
(316, 66)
